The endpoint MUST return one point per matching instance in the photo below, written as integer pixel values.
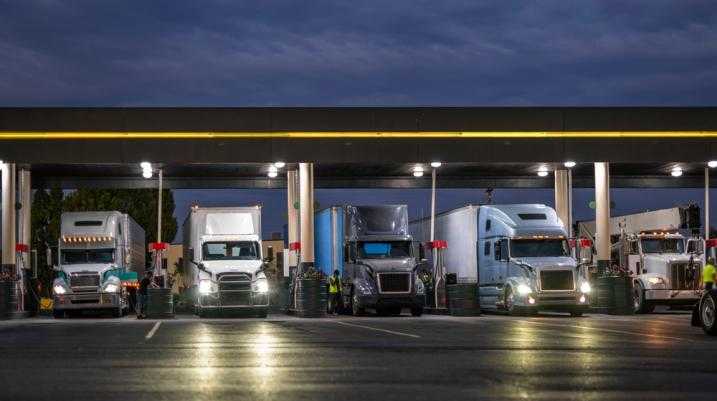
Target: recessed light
(676, 172)
(436, 164)
(569, 164)
(710, 164)
(279, 164)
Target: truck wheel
(58, 314)
(416, 311)
(640, 305)
(708, 313)
(356, 308)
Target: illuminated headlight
(205, 286)
(655, 280)
(585, 287)
(58, 289)
(111, 288)
(262, 286)
(524, 289)
(582, 299)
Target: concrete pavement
(657, 356)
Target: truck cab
(525, 261)
(98, 254)
(664, 271)
(224, 260)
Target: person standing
(142, 294)
(334, 292)
(708, 274)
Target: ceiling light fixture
(569, 164)
(710, 164)
(436, 164)
(279, 164)
(676, 172)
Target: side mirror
(421, 252)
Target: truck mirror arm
(199, 265)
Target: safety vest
(708, 274)
(333, 285)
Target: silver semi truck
(99, 252)
(373, 251)
(518, 255)
(223, 260)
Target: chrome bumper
(95, 300)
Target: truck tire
(708, 313)
(640, 305)
(356, 308)
(509, 302)
(416, 310)
(58, 314)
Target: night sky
(368, 53)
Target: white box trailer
(223, 259)
(99, 254)
(517, 254)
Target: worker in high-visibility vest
(708, 274)
(334, 292)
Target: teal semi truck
(100, 256)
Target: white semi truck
(99, 253)
(518, 255)
(657, 249)
(223, 260)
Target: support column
(292, 201)
(707, 203)
(25, 223)
(306, 214)
(8, 218)
(562, 198)
(602, 216)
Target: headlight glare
(524, 289)
(262, 286)
(111, 288)
(585, 287)
(205, 286)
(59, 290)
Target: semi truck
(660, 251)
(101, 255)
(223, 260)
(375, 255)
(519, 256)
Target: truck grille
(556, 280)
(685, 277)
(239, 298)
(84, 281)
(394, 282)
(235, 282)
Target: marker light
(569, 164)
(585, 287)
(279, 164)
(205, 287)
(59, 290)
(524, 289)
(676, 172)
(436, 164)
(710, 164)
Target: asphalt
(596, 357)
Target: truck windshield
(663, 245)
(536, 248)
(384, 249)
(230, 250)
(86, 256)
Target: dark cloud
(234, 53)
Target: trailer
(223, 260)
(101, 255)
(662, 252)
(372, 250)
(518, 255)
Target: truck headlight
(59, 289)
(205, 287)
(524, 289)
(262, 286)
(111, 287)
(585, 287)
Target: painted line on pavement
(398, 333)
(153, 331)
(635, 333)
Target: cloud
(225, 53)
